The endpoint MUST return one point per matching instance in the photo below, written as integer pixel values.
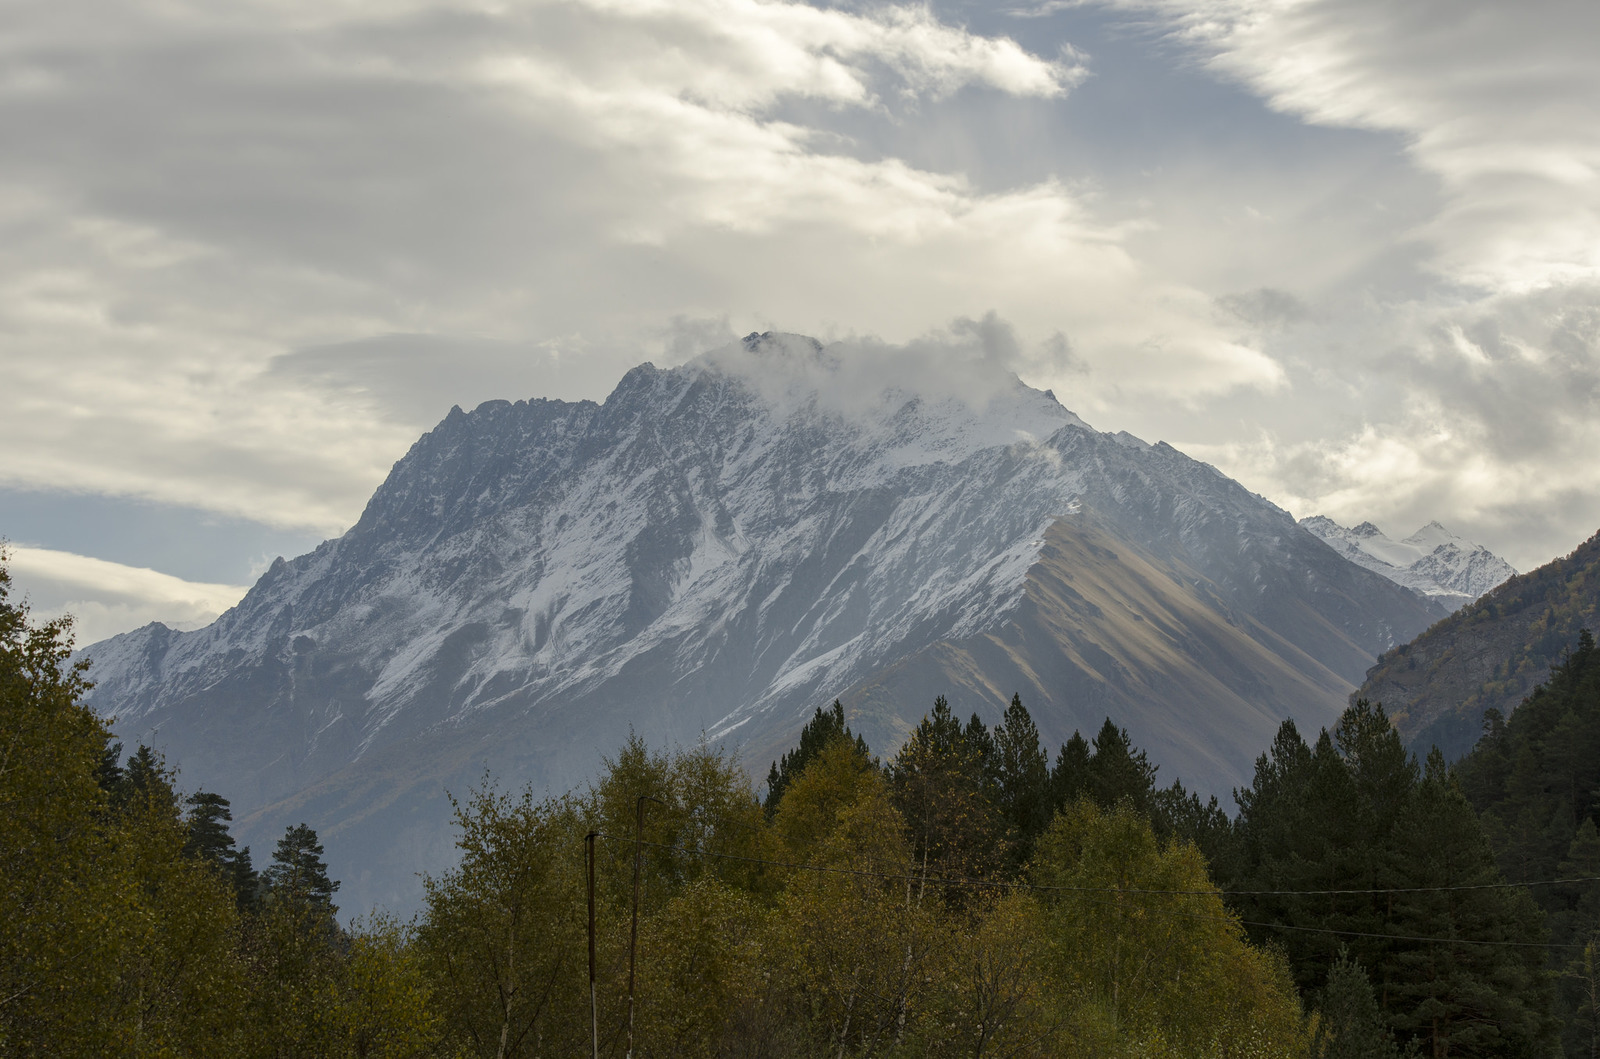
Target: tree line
(971, 895)
(131, 926)
(1535, 778)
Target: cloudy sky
(1348, 251)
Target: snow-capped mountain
(719, 548)
(1432, 561)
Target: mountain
(1488, 655)
(1432, 561)
(719, 548)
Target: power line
(949, 880)
(1102, 892)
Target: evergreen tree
(1351, 1026)
(1478, 998)
(1580, 901)
(298, 874)
(821, 730)
(246, 880)
(207, 824)
(1366, 846)
(1535, 778)
(1069, 780)
(1297, 832)
(1022, 777)
(1120, 772)
(1383, 771)
(938, 784)
(1178, 813)
(980, 743)
(209, 841)
(108, 771)
(145, 783)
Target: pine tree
(1354, 815)
(1069, 779)
(1383, 770)
(1351, 1026)
(208, 840)
(145, 783)
(108, 771)
(980, 742)
(1296, 832)
(1119, 772)
(1471, 998)
(246, 882)
(1177, 813)
(298, 874)
(207, 823)
(1022, 777)
(1535, 778)
(938, 784)
(819, 732)
(1582, 911)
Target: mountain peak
(1433, 561)
(780, 342)
(719, 547)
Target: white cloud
(1484, 414)
(248, 251)
(1443, 358)
(105, 598)
(746, 54)
(197, 192)
(1498, 101)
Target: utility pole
(633, 934)
(594, 1009)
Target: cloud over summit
(1345, 250)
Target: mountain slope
(1489, 654)
(1448, 569)
(719, 548)
(1107, 629)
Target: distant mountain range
(1432, 561)
(719, 548)
(1488, 655)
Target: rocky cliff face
(717, 549)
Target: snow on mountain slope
(716, 548)
(1432, 561)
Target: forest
(971, 895)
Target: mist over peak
(966, 375)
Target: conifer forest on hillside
(975, 894)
